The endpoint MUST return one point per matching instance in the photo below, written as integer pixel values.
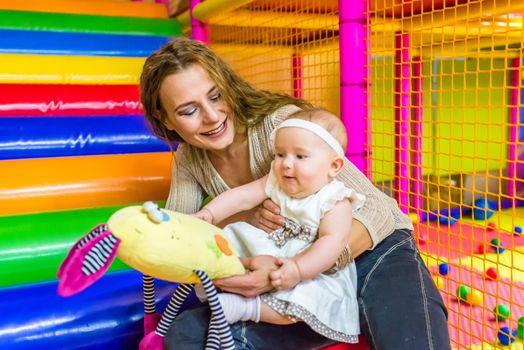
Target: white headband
(315, 129)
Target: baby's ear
(87, 261)
(336, 166)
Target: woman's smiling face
(196, 110)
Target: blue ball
(506, 336)
(498, 246)
(443, 269)
(483, 209)
(518, 230)
(446, 220)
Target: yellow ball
(414, 218)
(439, 282)
(475, 297)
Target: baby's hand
(287, 276)
(204, 214)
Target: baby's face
(303, 162)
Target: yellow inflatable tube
(64, 183)
(89, 7)
(49, 69)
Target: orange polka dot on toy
(223, 245)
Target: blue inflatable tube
(107, 315)
(78, 44)
(38, 137)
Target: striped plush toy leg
(219, 333)
(154, 340)
(151, 317)
(173, 308)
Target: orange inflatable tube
(89, 7)
(64, 183)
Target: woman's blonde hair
(248, 105)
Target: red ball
(481, 248)
(492, 273)
(491, 226)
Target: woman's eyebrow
(183, 105)
(191, 102)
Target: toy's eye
(148, 206)
(156, 216)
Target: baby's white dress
(327, 303)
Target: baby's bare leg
(269, 315)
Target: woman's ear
(336, 166)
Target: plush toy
(162, 244)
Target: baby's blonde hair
(325, 119)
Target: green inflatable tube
(32, 246)
(64, 22)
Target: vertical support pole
(402, 111)
(297, 75)
(514, 104)
(199, 30)
(417, 120)
(353, 39)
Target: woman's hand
(253, 283)
(268, 217)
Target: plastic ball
(414, 218)
(447, 220)
(421, 239)
(443, 269)
(481, 248)
(462, 292)
(492, 273)
(491, 226)
(501, 312)
(518, 230)
(497, 246)
(483, 209)
(475, 297)
(439, 282)
(520, 328)
(506, 336)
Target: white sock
(238, 308)
(200, 292)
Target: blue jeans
(400, 309)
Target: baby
(309, 153)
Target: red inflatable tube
(68, 100)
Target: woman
(224, 124)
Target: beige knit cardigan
(194, 177)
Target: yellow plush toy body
(173, 248)
(162, 244)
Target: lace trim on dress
(291, 229)
(296, 313)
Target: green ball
(501, 312)
(520, 328)
(462, 292)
